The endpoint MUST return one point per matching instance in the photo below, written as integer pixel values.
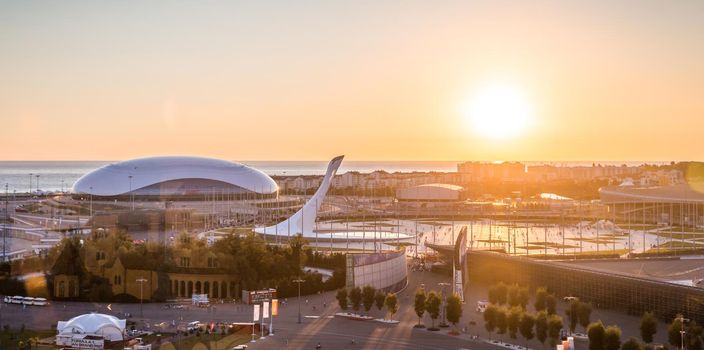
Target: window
(212, 262)
(185, 261)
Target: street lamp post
(443, 323)
(682, 331)
(91, 201)
(299, 281)
(131, 195)
(141, 281)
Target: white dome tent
(110, 327)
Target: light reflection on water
(514, 237)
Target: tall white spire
(303, 221)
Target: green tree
(541, 296)
(612, 338)
(356, 298)
(585, 314)
(523, 297)
(296, 244)
(453, 309)
(692, 338)
(501, 293)
(673, 332)
(501, 320)
(514, 321)
(419, 306)
(341, 297)
(490, 318)
(368, 293)
(554, 327)
(526, 326)
(513, 299)
(379, 299)
(596, 333)
(432, 306)
(391, 304)
(551, 304)
(493, 294)
(541, 326)
(631, 344)
(648, 327)
(573, 314)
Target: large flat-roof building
(680, 204)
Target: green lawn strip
(9, 340)
(678, 235)
(497, 241)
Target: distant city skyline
(378, 81)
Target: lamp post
(37, 183)
(141, 281)
(682, 331)
(131, 195)
(299, 281)
(443, 323)
(91, 201)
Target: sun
(498, 111)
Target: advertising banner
(266, 309)
(256, 313)
(275, 307)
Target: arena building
(680, 204)
(431, 193)
(175, 178)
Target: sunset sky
(374, 80)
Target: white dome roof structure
(174, 176)
(110, 327)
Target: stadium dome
(110, 327)
(175, 178)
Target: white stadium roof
(110, 327)
(114, 179)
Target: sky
(374, 80)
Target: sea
(60, 175)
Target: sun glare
(498, 111)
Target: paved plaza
(331, 333)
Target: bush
(419, 305)
(648, 327)
(596, 333)
(612, 338)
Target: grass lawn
(205, 339)
(10, 340)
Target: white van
(27, 300)
(481, 306)
(40, 302)
(17, 299)
(193, 326)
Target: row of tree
(514, 320)
(431, 303)
(367, 297)
(692, 336)
(609, 338)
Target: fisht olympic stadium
(176, 178)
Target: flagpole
(271, 318)
(261, 324)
